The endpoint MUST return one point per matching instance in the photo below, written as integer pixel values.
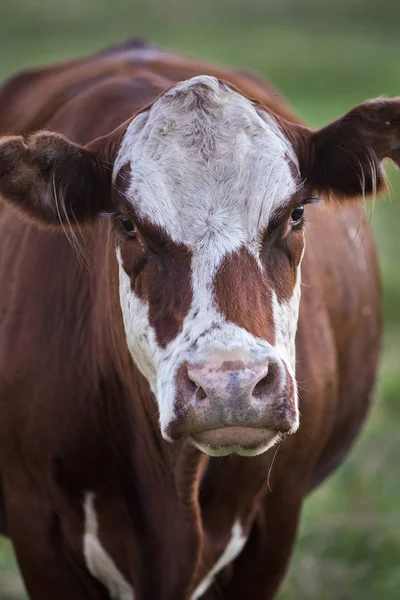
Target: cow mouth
(245, 441)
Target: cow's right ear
(52, 180)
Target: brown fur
(241, 298)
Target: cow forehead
(207, 163)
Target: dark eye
(297, 214)
(128, 226)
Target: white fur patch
(208, 176)
(285, 315)
(232, 550)
(99, 563)
(140, 336)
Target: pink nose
(225, 392)
(233, 381)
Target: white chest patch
(232, 550)
(99, 563)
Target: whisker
(271, 465)
(80, 251)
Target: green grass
(324, 57)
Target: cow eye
(297, 214)
(128, 226)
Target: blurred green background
(324, 56)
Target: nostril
(264, 386)
(196, 390)
(188, 390)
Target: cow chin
(244, 441)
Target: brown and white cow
(152, 336)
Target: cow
(188, 338)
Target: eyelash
(300, 221)
(128, 226)
(117, 218)
(297, 218)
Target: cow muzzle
(232, 401)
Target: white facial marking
(99, 563)
(209, 168)
(285, 313)
(139, 334)
(232, 550)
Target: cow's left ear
(52, 180)
(344, 159)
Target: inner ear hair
(344, 159)
(53, 180)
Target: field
(324, 58)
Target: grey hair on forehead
(203, 88)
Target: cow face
(207, 197)
(211, 242)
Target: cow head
(206, 197)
